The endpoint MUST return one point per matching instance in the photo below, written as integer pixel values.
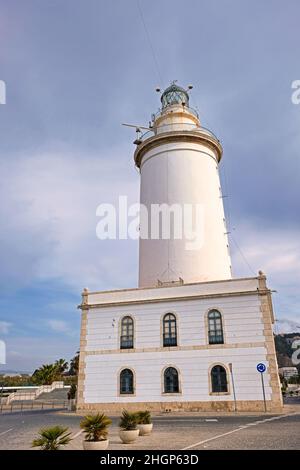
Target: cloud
(51, 201)
(284, 325)
(59, 326)
(275, 251)
(5, 327)
(28, 353)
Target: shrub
(128, 421)
(95, 427)
(143, 417)
(52, 438)
(72, 392)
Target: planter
(128, 436)
(95, 445)
(145, 429)
(72, 404)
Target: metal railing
(161, 111)
(33, 393)
(33, 406)
(153, 132)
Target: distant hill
(284, 350)
(13, 372)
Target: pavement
(173, 431)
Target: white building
(189, 337)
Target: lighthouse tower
(178, 163)
(190, 337)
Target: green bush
(72, 392)
(52, 438)
(143, 417)
(128, 421)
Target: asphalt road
(170, 431)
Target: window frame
(215, 328)
(120, 392)
(164, 390)
(130, 337)
(169, 334)
(227, 372)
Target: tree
(74, 364)
(72, 392)
(46, 374)
(61, 366)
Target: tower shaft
(179, 169)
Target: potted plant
(128, 424)
(144, 422)
(52, 438)
(95, 428)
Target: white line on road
(240, 428)
(77, 434)
(5, 432)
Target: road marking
(77, 434)
(4, 432)
(211, 420)
(240, 428)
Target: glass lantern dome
(174, 94)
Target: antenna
(137, 127)
(138, 131)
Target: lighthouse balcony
(184, 126)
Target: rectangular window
(127, 342)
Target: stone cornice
(177, 136)
(87, 306)
(198, 347)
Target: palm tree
(61, 365)
(46, 374)
(74, 364)
(95, 427)
(128, 421)
(52, 438)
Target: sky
(74, 71)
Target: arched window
(126, 382)
(219, 380)
(171, 382)
(215, 328)
(169, 330)
(126, 340)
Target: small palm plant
(95, 427)
(144, 417)
(52, 438)
(128, 421)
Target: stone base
(200, 406)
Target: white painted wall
(242, 325)
(101, 385)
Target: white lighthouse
(190, 336)
(178, 163)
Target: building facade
(190, 336)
